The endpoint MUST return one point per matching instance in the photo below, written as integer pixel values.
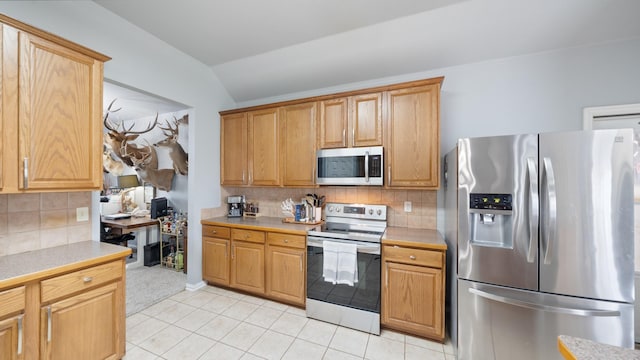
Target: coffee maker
(235, 205)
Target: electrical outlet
(407, 206)
(82, 214)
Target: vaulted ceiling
(266, 49)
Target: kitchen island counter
(573, 348)
(27, 266)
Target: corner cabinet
(12, 307)
(249, 148)
(51, 112)
(412, 143)
(73, 311)
(413, 290)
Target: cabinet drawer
(248, 235)
(216, 231)
(288, 240)
(11, 301)
(64, 285)
(422, 257)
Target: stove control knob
(338, 209)
(330, 208)
(379, 212)
(370, 211)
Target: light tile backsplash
(423, 202)
(42, 220)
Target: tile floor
(214, 323)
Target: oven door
(365, 295)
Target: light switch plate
(407, 206)
(82, 214)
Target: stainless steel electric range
(356, 306)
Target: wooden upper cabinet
(298, 144)
(264, 159)
(351, 121)
(333, 123)
(413, 137)
(233, 149)
(59, 116)
(50, 127)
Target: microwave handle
(366, 166)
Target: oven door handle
(362, 247)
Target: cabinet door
(413, 137)
(11, 338)
(286, 274)
(60, 109)
(215, 260)
(233, 149)
(333, 123)
(264, 164)
(412, 299)
(365, 120)
(299, 144)
(84, 327)
(247, 266)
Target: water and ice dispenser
(491, 220)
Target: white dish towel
(340, 265)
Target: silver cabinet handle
(25, 172)
(343, 137)
(412, 257)
(87, 279)
(543, 307)
(353, 137)
(20, 334)
(243, 176)
(286, 241)
(366, 166)
(49, 323)
(550, 229)
(534, 207)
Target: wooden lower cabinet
(12, 307)
(286, 268)
(413, 291)
(266, 263)
(247, 266)
(67, 315)
(82, 327)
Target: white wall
(526, 94)
(146, 63)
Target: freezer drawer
(496, 322)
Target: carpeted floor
(149, 285)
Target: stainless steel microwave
(350, 166)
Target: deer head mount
(176, 152)
(119, 142)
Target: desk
(133, 224)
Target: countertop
(420, 238)
(263, 223)
(23, 267)
(573, 348)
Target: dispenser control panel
(490, 201)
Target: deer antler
(171, 131)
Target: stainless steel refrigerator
(543, 232)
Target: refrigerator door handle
(550, 229)
(542, 307)
(534, 207)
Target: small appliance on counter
(235, 205)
